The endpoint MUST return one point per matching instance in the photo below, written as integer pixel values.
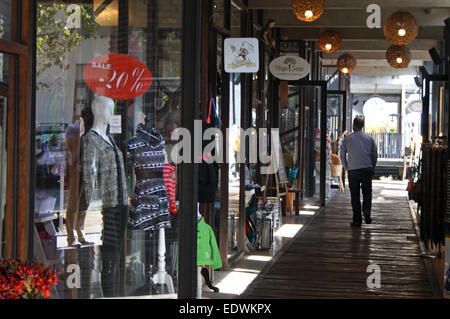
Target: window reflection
(78, 140)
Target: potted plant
(25, 280)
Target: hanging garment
(149, 203)
(102, 163)
(169, 180)
(208, 174)
(207, 249)
(432, 204)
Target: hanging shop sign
(117, 76)
(241, 55)
(289, 68)
(414, 106)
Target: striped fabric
(169, 181)
(149, 205)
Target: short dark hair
(358, 122)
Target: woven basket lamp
(308, 10)
(401, 28)
(398, 56)
(346, 63)
(330, 41)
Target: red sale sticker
(117, 76)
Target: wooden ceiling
(349, 18)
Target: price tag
(117, 76)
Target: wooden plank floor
(330, 259)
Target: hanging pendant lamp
(330, 41)
(308, 10)
(401, 28)
(346, 63)
(398, 56)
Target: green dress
(207, 250)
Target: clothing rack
(431, 203)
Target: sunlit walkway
(330, 259)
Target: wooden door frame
(19, 190)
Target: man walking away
(359, 157)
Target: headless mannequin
(147, 152)
(101, 152)
(103, 109)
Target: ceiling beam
(352, 4)
(382, 45)
(372, 62)
(377, 55)
(428, 33)
(353, 18)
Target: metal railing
(389, 145)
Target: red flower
(25, 279)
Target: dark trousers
(113, 235)
(361, 179)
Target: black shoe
(368, 220)
(357, 225)
(205, 274)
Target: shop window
(3, 161)
(4, 66)
(105, 177)
(5, 19)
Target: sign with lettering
(115, 124)
(289, 68)
(241, 55)
(117, 76)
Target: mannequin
(103, 109)
(150, 203)
(102, 162)
(74, 217)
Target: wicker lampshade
(401, 28)
(308, 10)
(398, 56)
(346, 63)
(330, 41)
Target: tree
(60, 28)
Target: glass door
(5, 33)
(3, 161)
(8, 101)
(336, 110)
(307, 113)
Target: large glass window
(106, 194)
(3, 107)
(5, 19)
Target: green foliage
(56, 37)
